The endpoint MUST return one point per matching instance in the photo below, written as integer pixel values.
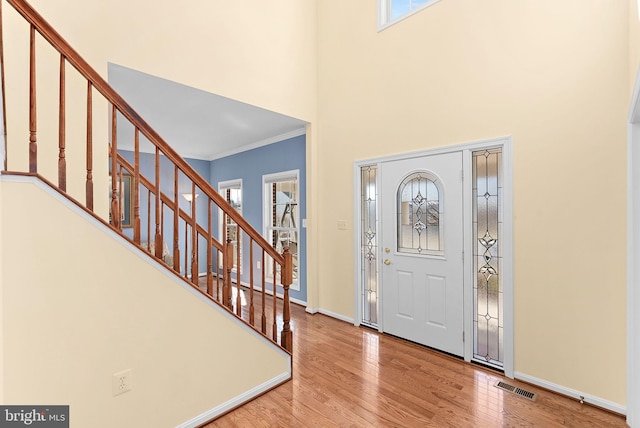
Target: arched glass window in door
(419, 215)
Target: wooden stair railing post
(176, 215)
(209, 249)
(158, 235)
(286, 336)
(136, 187)
(149, 220)
(89, 183)
(223, 254)
(219, 277)
(238, 272)
(228, 267)
(251, 263)
(263, 318)
(186, 249)
(115, 211)
(33, 147)
(274, 324)
(194, 237)
(62, 161)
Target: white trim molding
(572, 393)
(633, 257)
(257, 144)
(385, 13)
(333, 315)
(314, 311)
(236, 401)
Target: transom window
(419, 212)
(392, 11)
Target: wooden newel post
(228, 267)
(286, 337)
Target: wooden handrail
(101, 85)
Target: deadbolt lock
(387, 262)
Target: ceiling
(197, 124)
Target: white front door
(422, 241)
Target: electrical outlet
(258, 264)
(122, 382)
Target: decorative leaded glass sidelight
(369, 244)
(419, 208)
(487, 257)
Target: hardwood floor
(345, 376)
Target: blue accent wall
(250, 166)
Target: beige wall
(553, 75)
(262, 53)
(93, 308)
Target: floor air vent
(515, 390)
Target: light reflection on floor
(488, 400)
(370, 366)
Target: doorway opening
(484, 170)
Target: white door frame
(633, 257)
(508, 274)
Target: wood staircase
(146, 200)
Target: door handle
(387, 262)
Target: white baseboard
(296, 301)
(329, 314)
(235, 402)
(334, 315)
(596, 401)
